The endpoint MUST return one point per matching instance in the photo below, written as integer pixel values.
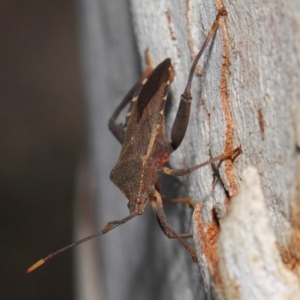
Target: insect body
(145, 148)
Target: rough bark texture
(248, 95)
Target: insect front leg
(186, 200)
(157, 206)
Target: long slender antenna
(108, 227)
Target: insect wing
(152, 87)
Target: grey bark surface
(248, 95)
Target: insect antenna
(108, 227)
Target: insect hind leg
(183, 114)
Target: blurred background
(42, 140)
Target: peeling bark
(250, 265)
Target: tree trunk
(248, 96)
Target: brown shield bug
(145, 148)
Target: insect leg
(118, 129)
(180, 172)
(187, 201)
(183, 114)
(157, 206)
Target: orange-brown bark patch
(208, 237)
(224, 96)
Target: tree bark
(247, 95)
